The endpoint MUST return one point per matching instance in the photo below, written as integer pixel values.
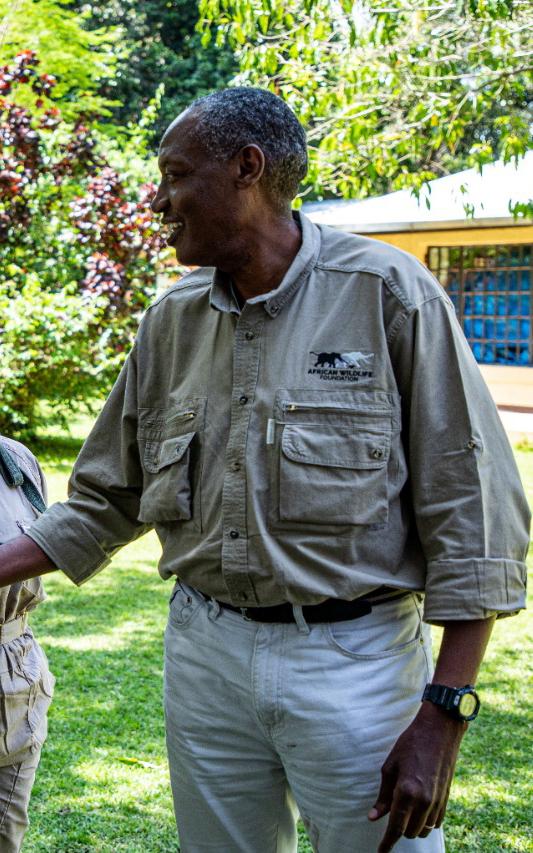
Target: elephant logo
(353, 366)
(328, 359)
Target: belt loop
(213, 609)
(299, 618)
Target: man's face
(198, 198)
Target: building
(462, 228)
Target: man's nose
(159, 202)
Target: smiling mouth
(176, 232)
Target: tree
(78, 252)
(162, 46)
(392, 94)
(79, 60)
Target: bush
(78, 252)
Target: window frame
(469, 262)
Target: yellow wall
(509, 386)
(418, 242)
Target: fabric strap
(15, 477)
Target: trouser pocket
(26, 685)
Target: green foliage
(52, 347)
(80, 60)
(162, 47)
(78, 254)
(392, 94)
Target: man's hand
(418, 772)
(417, 775)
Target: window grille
(491, 288)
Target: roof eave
(438, 225)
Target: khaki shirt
(333, 436)
(16, 516)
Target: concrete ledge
(518, 426)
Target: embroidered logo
(342, 366)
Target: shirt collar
(223, 299)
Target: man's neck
(272, 249)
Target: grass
(103, 786)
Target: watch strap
(449, 699)
(440, 694)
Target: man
(307, 430)
(26, 683)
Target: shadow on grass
(103, 785)
(60, 451)
(115, 598)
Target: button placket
(246, 351)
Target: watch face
(467, 705)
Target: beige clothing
(16, 782)
(333, 436)
(26, 683)
(16, 516)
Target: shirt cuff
(72, 548)
(474, 589)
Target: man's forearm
(21, 559)
(461, 651)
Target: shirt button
(377, 453)
(235, 466)
(243, 596)
(249, 336)
(234, 534)
(243, 400)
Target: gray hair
(229, 119)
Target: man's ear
(250, 166)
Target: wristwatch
(462, 703)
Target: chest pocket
(330, 462)
(170, 450)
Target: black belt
(330, 610)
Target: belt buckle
(244, 614)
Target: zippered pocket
(290, 407)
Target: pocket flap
(170, 450)
(334, 446)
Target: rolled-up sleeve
(81, 535)
(470, 510)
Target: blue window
(491, 288)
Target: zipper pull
(271, 426)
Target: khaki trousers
(26, 687)
(267, 721)
(16, 782)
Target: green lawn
(103, 786)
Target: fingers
(420, 819)
(442, 811)
(383, 803)
(399, 817)
(413, 814)
(430, 824)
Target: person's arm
(21, 559)
(418, 772)
(473, 541)
(80, 535)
